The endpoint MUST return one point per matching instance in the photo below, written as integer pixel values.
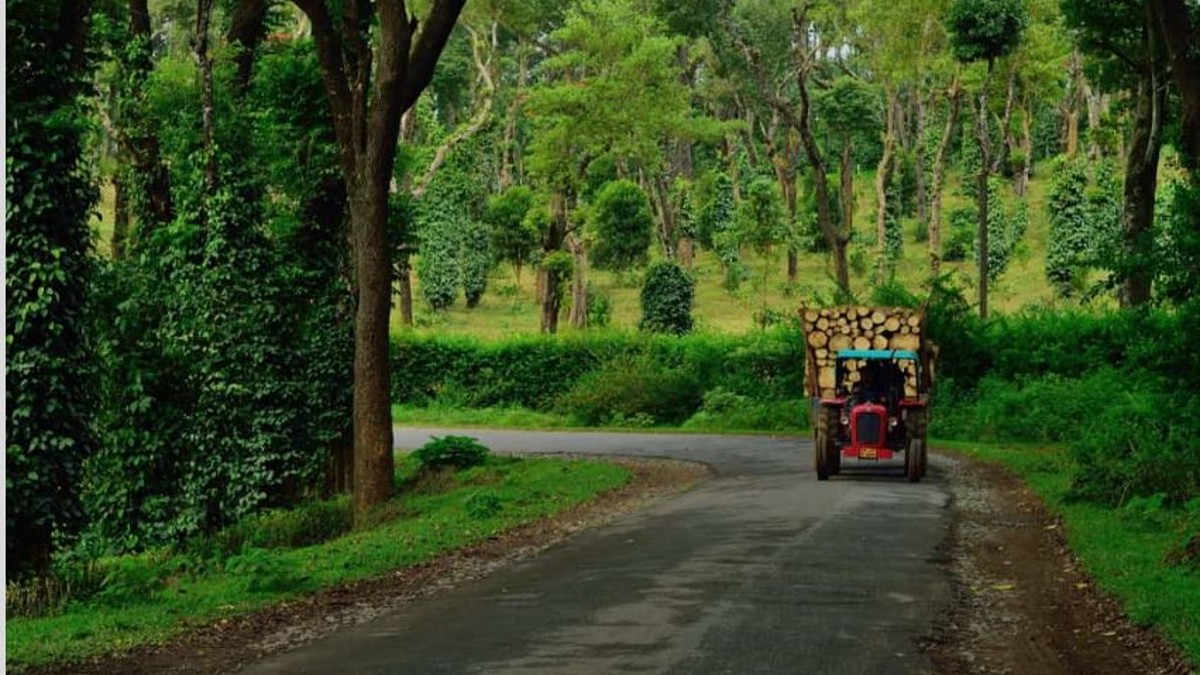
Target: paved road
(760, 570)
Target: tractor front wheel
(914, 459)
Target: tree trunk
(687, 252)
(207, 96)
(985, 152)
(883, 178)
(846, 176)
(150, 188)
(921, 196)
(555, 235)
(1095, 107)
(1141, 181)
(1071, 102)
(1178, 35)
(1026, 171)
(1006, 137)
(509, 161)
(939, 179)
(247, 27)
(120, 217)
(661, 198)
(579, 299)
(406, 291)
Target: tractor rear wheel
(833, 452)
(819, 456)
(913, 458)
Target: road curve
(760, 570)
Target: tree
(760, 225)
(984, 30)
(49, 196)
(1122, 39)
(623, 226)
(514, 237)
(369, 89)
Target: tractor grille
(869, 428)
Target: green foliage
(48, 195)
(515, 237)
(533, 371)
(1177, 244)
(759, 220)
(623, 225)
(599, 308)
(1068, 243)
(960, 240)
(437, 265)
(716, 217)
(483, 505)
(667, 298)
(310, 523)
(475, 261)
(626, 388)
(985, 30)
(456, 452)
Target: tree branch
(477, 121)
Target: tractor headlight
(892, 422)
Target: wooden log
(822, 353)
(811, 315)
(878, 316)
(866, 324)
(845, 330)
(905, 330)
(839, 342)
(910, 341)
(852, 365)
(828, 392)
(914, 320)
(825, 312)
(861, 342)
(854, 377)
(879, 342)
(825, 378)
(892, 324)
(817, 339)
(910, 392)
(822, 324)
(851, 314)
(842, 321)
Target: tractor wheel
(833, 453)
(920, 425)
(912, 460)
(819, 456)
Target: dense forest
(274, 182)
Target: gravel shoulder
(1022, 602)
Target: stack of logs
(831, 330)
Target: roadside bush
(790, 416)
(630, 387)
(308, 524)
(458, 452)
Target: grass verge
(1126, 549)
(429, 518)
(781, 418)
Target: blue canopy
(877, 354)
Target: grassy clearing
(427, 518)
(1125, 549)
(770, 418)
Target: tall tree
(984, 30)
(370, 84)
(49, 196)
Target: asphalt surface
(762, 569)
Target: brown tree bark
(208, 102)
(1182, 43)
(579, 300)
(1006, 137)
(985, 152)
(555, 237)
(953, 96)
(1141, 181)
(922, 194)
(846, 180)
(247, 27)
(1071, 102)
(883, 178)
(369, 89)
(1026, 171)
(120, 217)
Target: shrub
(458, 452)
(599, 308)
(667, 298)
(308, 524)
(623, 225)
(629, 387)
(960, 240)
(483, 505)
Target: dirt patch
(229, 644)
(1022, 602)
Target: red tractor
(869, 404)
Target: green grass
(425, 524)
(785, 417)
(1124, 549)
